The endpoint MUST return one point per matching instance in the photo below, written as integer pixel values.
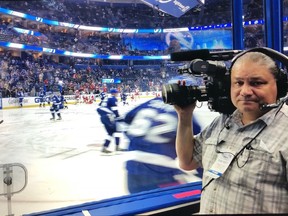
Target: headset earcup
(282, 84)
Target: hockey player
(49, 96)
(20, 96)
(137, 93)
(55, 107)
(133, 98)
(77, 96)
(42, 95)
(124, 98)
(102, 96)
(151, 130)
(108, 111)
(63, 101)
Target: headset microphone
(227, 126)
(274, 105)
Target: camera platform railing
(12, 172)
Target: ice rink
(62, 158)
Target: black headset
(281, 76)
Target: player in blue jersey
(102, 96)
(124, 98)
(108, 112)
(63, 101)
(20, 96)
(55, 107)
(151, 130)
(42, 95)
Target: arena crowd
(31, 72)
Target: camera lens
(164, 94)
(175, 94)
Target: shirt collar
(267, 118)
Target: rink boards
(11, 102)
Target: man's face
(252, 85)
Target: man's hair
(261, 59)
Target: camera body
(211, 84)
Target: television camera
(204, 78)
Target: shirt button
(215, 189)
(211, 211)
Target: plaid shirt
(256, 181)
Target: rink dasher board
(12, 103)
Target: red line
(187, 194)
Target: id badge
(220, 165)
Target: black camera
(206, 79)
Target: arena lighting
(28, 32)
(15, 45)
(80, 55)
(93, 28)
(115, 57)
